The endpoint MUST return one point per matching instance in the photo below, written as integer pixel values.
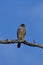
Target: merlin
(21, 33)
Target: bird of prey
(21, 33)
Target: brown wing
(18, 32)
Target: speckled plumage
(21, 33)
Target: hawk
(21, 33)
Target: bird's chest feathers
(21, 36)
(21, 33)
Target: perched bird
(21, 33)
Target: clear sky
(12, 14)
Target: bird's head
(23, 25)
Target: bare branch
(33, 44)
(21, 41)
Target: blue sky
(12, 14)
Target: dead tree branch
(21, 41)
